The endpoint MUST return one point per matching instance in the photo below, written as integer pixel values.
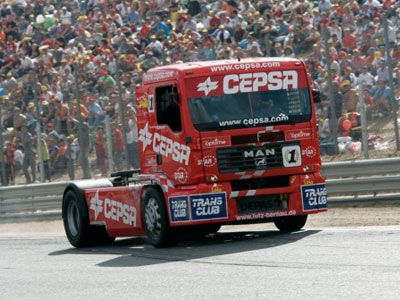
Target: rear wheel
(76, 224)
(155, 220)
(291, 223)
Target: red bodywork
(185, 163)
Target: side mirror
(316, 96)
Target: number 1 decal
(291, 156)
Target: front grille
(260, 183)
(231, 160)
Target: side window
(168, 107)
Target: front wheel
(291, 223)
(155, 220)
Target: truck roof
(199, 68)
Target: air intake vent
(263, 137)
(260, 183)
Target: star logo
(145, 136)
(207, 86)
(96, 205)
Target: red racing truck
(220, 142)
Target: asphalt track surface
(246, 262)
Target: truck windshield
(244, 110)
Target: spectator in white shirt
(366, 77)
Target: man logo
(259, 153)
(261, 161)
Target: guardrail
(360, 181)
(30, 202)
(348, 183)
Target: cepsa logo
(253, 82)
(113, 210)
(164, 145)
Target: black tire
(76, 224)
(291, 223)
(155, 220)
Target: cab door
(167, 143)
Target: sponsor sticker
(143, 102)
(262, 203)
(246, 66)
(150, 161)
(310, 152)
(208, 161)
(113, 210)
(158, 76)
(164, 145)
(314, 197)
(253, 82)
(264, 215)
(198, 207)
(216, 188)
(291, 156)
(208, 206)
(214, 142)
(247, 82)
(308, 181)
(255, 121)
(181, 175)
(302, 134)
(179, 208)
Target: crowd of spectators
(49, 48)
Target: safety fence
(348, 183)
(361, 181)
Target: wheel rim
(153, 217)
(73, 218)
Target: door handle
(159, 159)
(188, 139)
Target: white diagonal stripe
(259, 172)
(251, 193)
(234, 194)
